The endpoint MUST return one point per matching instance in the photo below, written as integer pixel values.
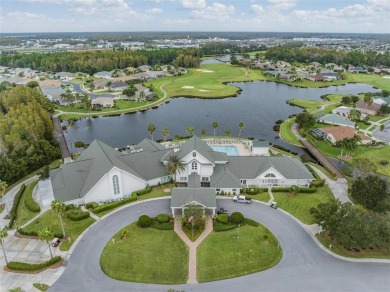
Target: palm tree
(368, 99)
(174, 166)
(227, 132)
(165, 133)
(59, 208)
(46, 234)
(203, 132)
(190, 131)
(240, 126)
(3, 187)
(215, 126)
(151, 129)
(3, 236)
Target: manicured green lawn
(325, 147)
(376, 155)
(23, 215)
(207, 81)
(41, 287)
(222, 255)
(157, 191)
(264, 197)
(323, 170)
(287, 134)
(72, 228)
(338, 249)
(374, 80)
(299, 205)
(147, 255)
(362, 125)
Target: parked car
(222, 211)
(242, 199)
(273, 205)
(55, 242)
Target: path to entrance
(193, 246)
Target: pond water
(259, 106)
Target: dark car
(222, 211)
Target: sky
(344, 16)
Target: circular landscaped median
(237, 252)
(146, 255)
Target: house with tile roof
(101, 173)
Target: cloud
(282, 4)
(257, 8)
(83, 2)
(215, 11)
(26, 15)
(154, 10)
(193, 4)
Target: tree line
(323, 56)
(26, 133)
(104, 60)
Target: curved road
(304, 266)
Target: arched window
(115, 184)
(194, 165)
(193, 154)
(270, 175)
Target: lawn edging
(304, 226)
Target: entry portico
(183, 198)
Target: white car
(242, 199)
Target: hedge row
(31, 204)
(223, 227)
(301, 190)
(19, 266)
(15, 205)
(162, 226)
(34, 233)
(77, 215)
(91, 205)
(318, 183)
(146, 190)
(113, 205)
(253, 191)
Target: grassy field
(323, 170)
(23, 215)
(222, 255)
(375, 155)
(72, 228)
(264, 197)
(207, 81)
(146, 256)
(299, 205)
(374, 80)
(338, 249)
(287, 134)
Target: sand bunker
(386, 77)
(187, 87)
(203, 90)
(205, 71)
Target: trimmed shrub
(70, 207)
(251, 222)
(144, 221)
(281, 190)
(162, 226)
(223, 227)
(78, 215)
(28, 233)
(31, 204)
(19, 266)
(236, 218)
(223, 218)
(15, 205)
(146, 190)
(276, 128)
(318, 183)
(308, 190)
(162, 218)
(113, 205)
(91, 205)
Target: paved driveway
(304, 266)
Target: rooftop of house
(341, 132)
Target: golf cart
(273, 205)
(222, 211)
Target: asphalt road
(304, 266)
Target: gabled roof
(184, 196)
(250, 167)
(194, 143)
(149, 145)
(223, 177)
(193, 180)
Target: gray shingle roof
(260, 143)
(184, 196)
(193, 180)
(149, 145)
(336, 119)
(194, 143)
(250, 167)
(223, 177)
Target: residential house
(100, 102)
(371, 109)
(55, 94)
(101, 83)
(333, 119)
(66, 75)
(144, 68)
(345, 110)
(103, 74)
(260, 147)
(330, 76)
(317, 78)
(352, 69)
(119, 86)
(335, 134)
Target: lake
(259, 106)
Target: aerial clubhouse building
(102, 173)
